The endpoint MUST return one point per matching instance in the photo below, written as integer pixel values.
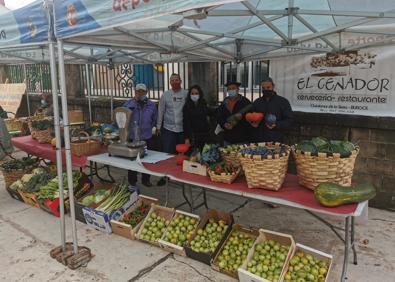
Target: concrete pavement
(27, 235)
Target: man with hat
(230, 115)
(277, 112)
(144, 115)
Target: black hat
(233, 82)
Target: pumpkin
(333, 195)
(254, 117)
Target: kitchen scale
(124, 148)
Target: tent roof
(224, 30)
(26, 26)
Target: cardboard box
(101, 220)
(236, 227)
(283, 239)
(316, 254)
(194, 167)
(126, 230)
(217, 215)
(174, 248)
(14, 194)
(79, 214)
(164, 212)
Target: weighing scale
(124, 148)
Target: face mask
(232, 93)
(195, 98)
(44, 103)
(267, 93)
(143, 98)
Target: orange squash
(53, 142)
(254, 117)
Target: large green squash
(333, 195)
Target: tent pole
(27, 91)
(88, 86)
(59, 165)
(66, 126)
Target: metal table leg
(346, 248)
(191, 198)
(353, 240)
(91, 170)
(167, 191)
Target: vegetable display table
(291, 195)
(45, 151)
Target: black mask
(267, 93)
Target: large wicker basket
(265, 172)
(224, 177)
(13, 124)
(43, 136)
(313, 170)
(85, 147)
(13, 175)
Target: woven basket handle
(84, 133)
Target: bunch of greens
(118, 197)
(16, 164)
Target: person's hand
(271, 126)
(157, 132)
(228, 126)
(239, 116)
(187, 141)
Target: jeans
(170, 139)
(132, 175)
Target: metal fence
(118, 81)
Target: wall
(375, 136)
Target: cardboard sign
(11, 96)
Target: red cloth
(291, 190)
(46, 151)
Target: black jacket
(241, 132)
(278, 106)
(195, 119)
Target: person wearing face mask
(144, 115)
(233, 106)
(196, 125)
(46, 106)
(278, 115)
(170, 115)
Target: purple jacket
(145, 115)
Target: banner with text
(352, 82)
(11, 96)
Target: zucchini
(333, 195)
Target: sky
(15, 4)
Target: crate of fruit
(234, 251)
(180, 230)
(128, 225)
(268, 258)
(309, 264)
(223, 173)
(213, 228)
(265, 165)
(155, 224)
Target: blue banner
(23, 26)
(73, 17)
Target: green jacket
(5, 140)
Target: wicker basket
(85, 148)
(313, 170)
(224, 177)
(267, 173)
(43, 136)
(13, 124)
(13, 175)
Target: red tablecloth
(45, 151)
(291, 190)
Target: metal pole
(88, 86)
(59, 165)
(27, 90)
(66, 126)
(346, 248)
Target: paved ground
(28, 234)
